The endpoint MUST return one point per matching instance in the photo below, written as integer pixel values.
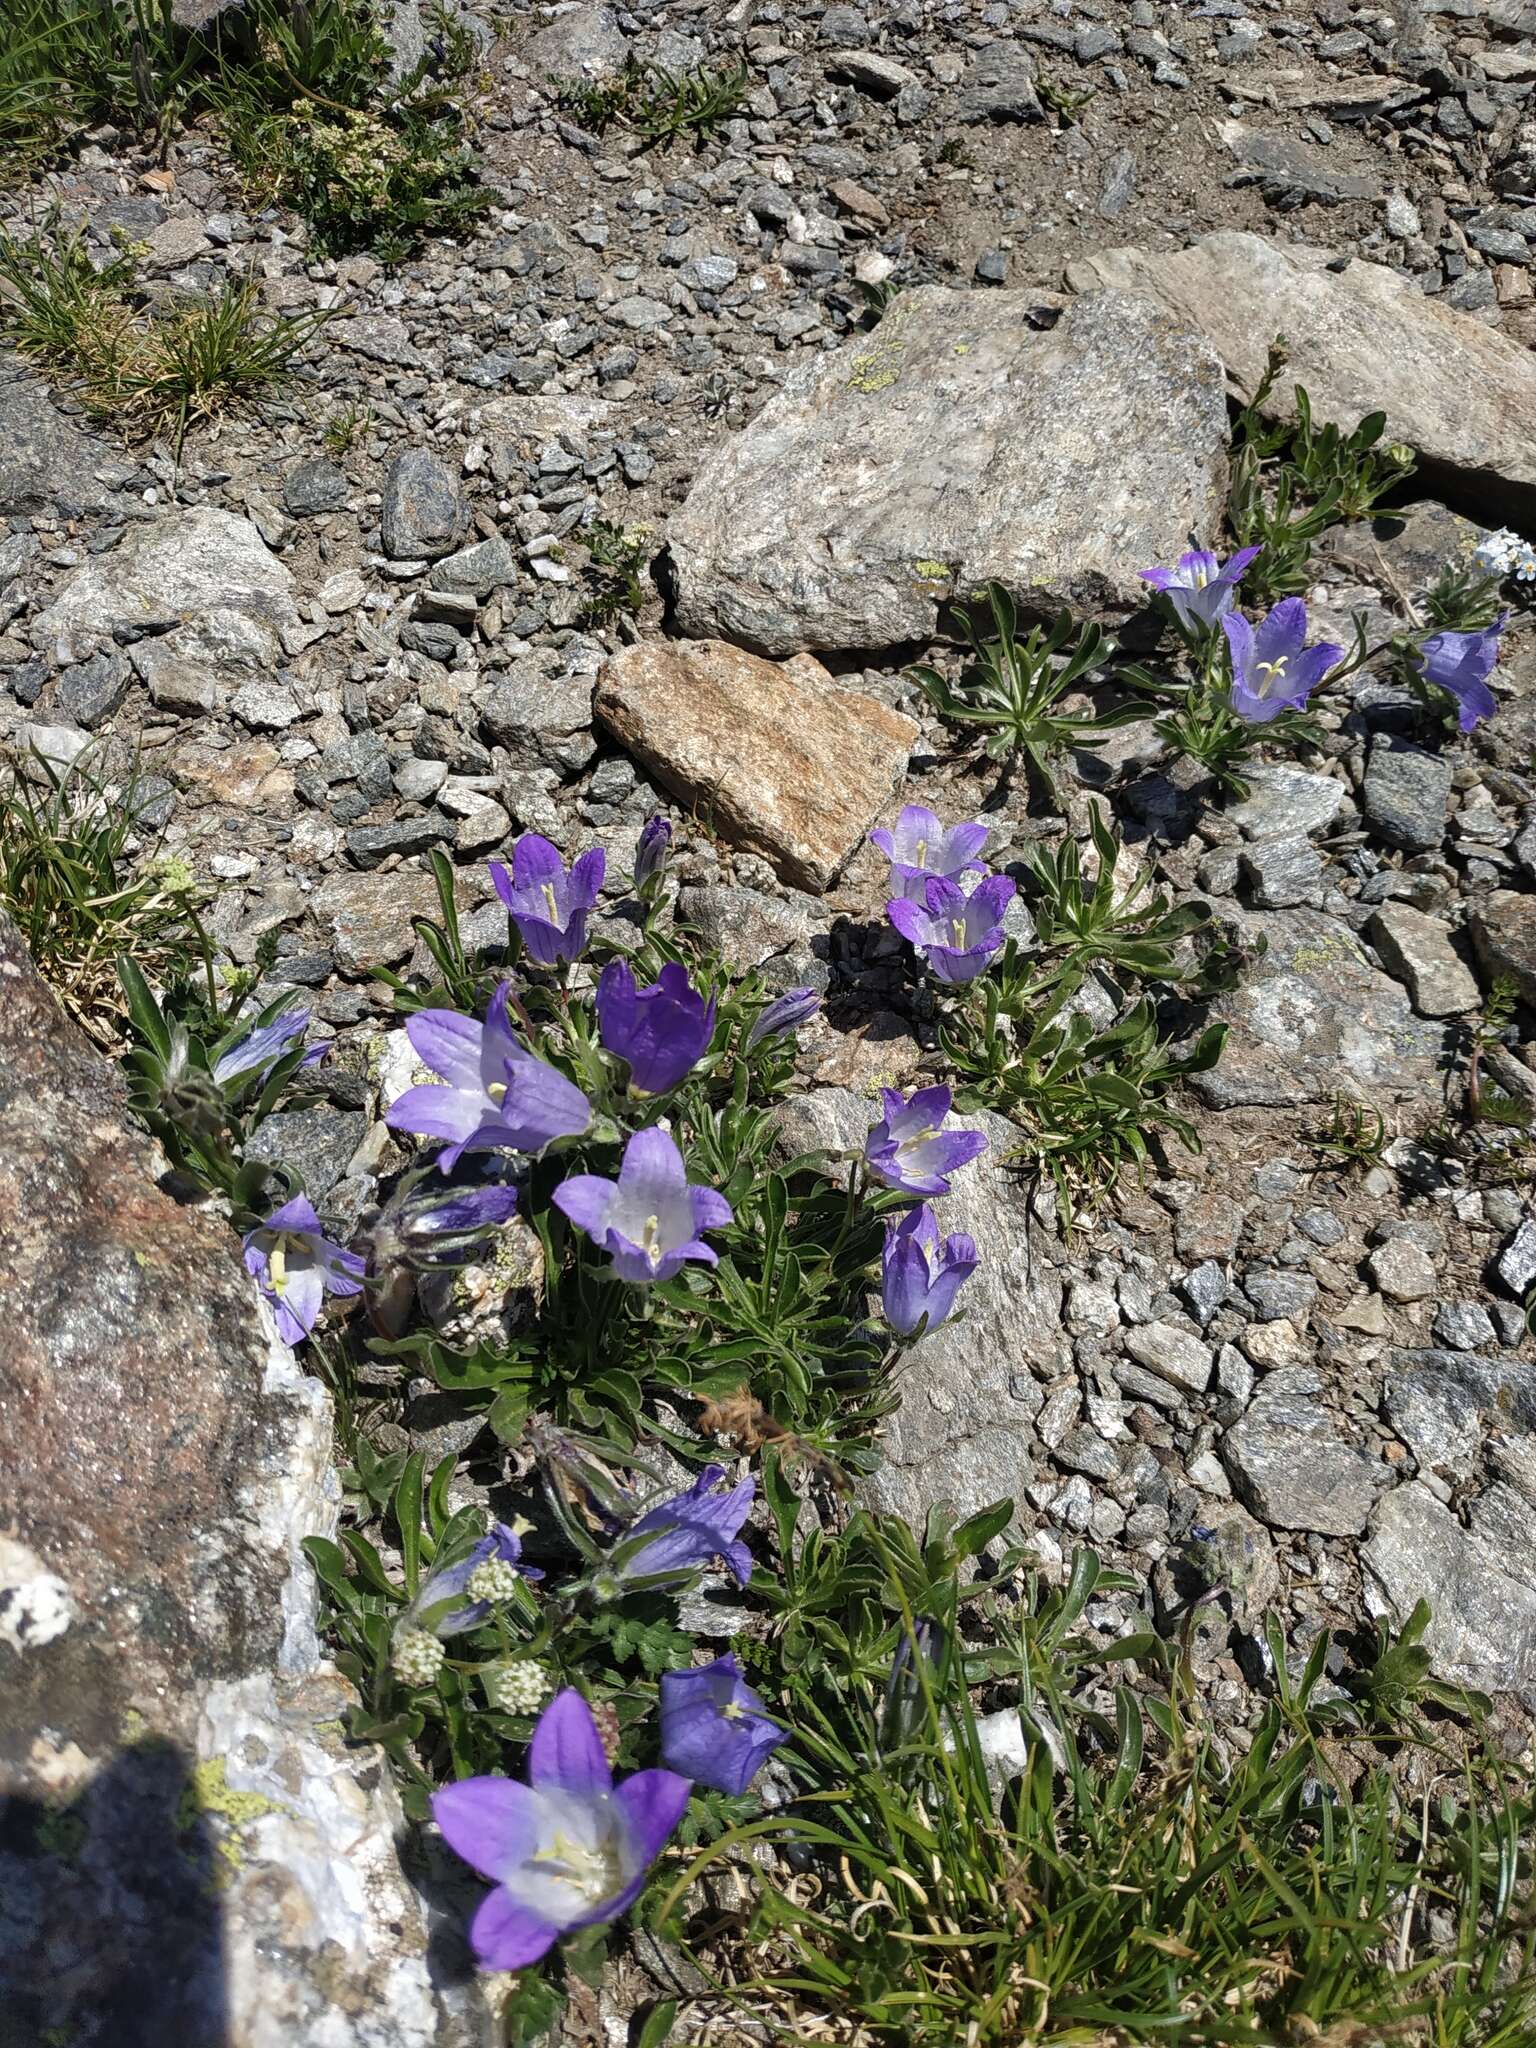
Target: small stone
(1282, 800)
(265, 706)
(1205, 1289)
(422, 514)
(1175, 1354)
(1463, 1325)
(1407, 794)
(1281, 1297)
(1401, 1270)
(1516, 1264)
(1321, 1225)
(752, 740)
(1283, 872)
(315, 486)
(1417, 951)
(1503, 928)
(89, 693)
(367, 845)
(1290, 1465)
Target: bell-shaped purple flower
(920, 849)
(651, 851)
(649, 1220)
(910, 1151)
(442, 1227)
(956, 934)
(569, 1849)
(921, 1273)
(1200, 588)
(296, 1265)
(662, 1031)
(263, 1046)
(681, 1535)
(1461, 664)
(785, 1013)
(714, 1727)
(1273, 669)
(431, 1609)
(497, 1097)
(549, 904)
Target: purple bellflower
(569, 1849)
(648, 1220)
(1461, 664)
(296, 1265)
(452, 1585)
(907, 1149)
(920, 850)
(263, 1046)
(785, 1013)
(497, 1097)
(956, 934)
(682, 1535)
(921, 1273)
(651, 851)
(662, 1031)
(444, 1226)
(548, 904)
(1201, 589)
(1273, 669)
(714, 1727)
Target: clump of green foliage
(1012, 687)
(617, 559)
(1136, 1881)
(651, 101)
(149, 368)
(1292, 479)
(82, 889)
(1355, 1133)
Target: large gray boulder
(190, 1851)
(1361, 338)
(956, 443)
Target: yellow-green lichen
(209, 1797)
(61, 1835)
(933, 572)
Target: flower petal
(431, 1111)
(493, 1823)
(509, 1936)
(449, 1044)
(586, 1198)
(566, 1751)
(652, 1803)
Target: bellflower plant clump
(714, 1727)
(1201, 589)
(908, 1149)
(921, 1273)
(921, 850)
(1273, 669)
(649, 1220)
(568, 1850)
(548, 904)
(956, 934)
(1460, 664)
(296, 1265)
(498, 1095)
(662, 1031)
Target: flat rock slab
(1479, 1582)
(191, 566)
(193, 1852)
(1503, 928)
(45, 459)
(779, 759)
(956, 443)
(1291, 1464)
(1311, 1015)
(1361, 339)
(970, 1390)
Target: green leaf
(407, 1508)
(657, 2028)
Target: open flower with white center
(296, 1265)
(1199, 587)
(1273, 669)
(497, 1096)
(549, 902)
(649, 1220)
(569, 1849)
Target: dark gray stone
(1407, 794)
(316, 1143)
(423, 513)
(44, 458)
(1290, 1463)
(89, 693)
(315, 486)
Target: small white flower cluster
(495, 1581)
(519, 1688)
(415, 1656)
(1506, 554)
